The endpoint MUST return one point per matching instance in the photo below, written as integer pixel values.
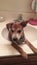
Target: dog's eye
(19, 31)
(12, 30)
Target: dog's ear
(24, 23)
(9, 25)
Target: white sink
(5, 44)
(30, 33)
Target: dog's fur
(16, 31)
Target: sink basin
(5, 44)
(5, 33)
(30, 33)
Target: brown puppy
(16, 31)
(16, 35)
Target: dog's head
(16, 29)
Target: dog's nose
(15, 39)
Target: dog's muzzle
(20, 41)
(15, 39)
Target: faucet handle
(19, 18)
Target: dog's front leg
(31, 46)
(18, 48)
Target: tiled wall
(11, 8)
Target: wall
(11, 8)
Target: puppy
(16, 31)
